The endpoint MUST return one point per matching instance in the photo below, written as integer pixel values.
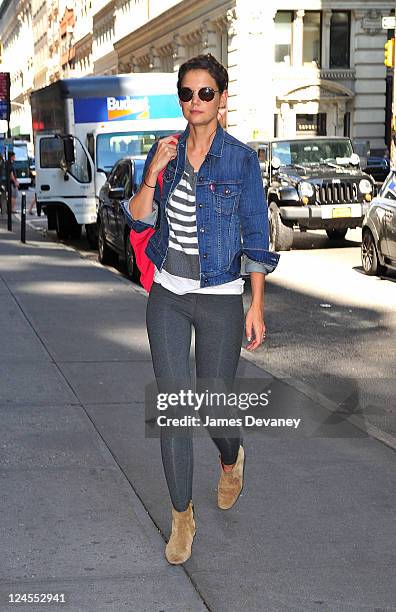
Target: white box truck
(83, 126)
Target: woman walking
(212, 196)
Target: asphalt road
(332, 327)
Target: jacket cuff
(257, 266)
(139, 225)
(261, 256)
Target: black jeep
(312, 183)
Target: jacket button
(202, 230)
(205, 256)
(227, 191)
(200, 178)
(200, 205)
(206, 280)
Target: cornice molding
(179, 15)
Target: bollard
(23, 217)
(8, 187)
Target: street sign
(389, 23)
(5, 96)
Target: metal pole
(8, 186)
(23, 217)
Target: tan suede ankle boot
(178, 549)
(231, 483)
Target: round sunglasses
(206, 94)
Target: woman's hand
(166, 150)
(254, 327)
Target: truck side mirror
(68, 150)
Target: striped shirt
(183, 256)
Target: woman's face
(196, 111)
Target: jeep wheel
(106, 255)
(280, 236)
(369, 255)
(336, 234)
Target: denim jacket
(231, 211)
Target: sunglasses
(206, 94)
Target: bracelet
(151, 187)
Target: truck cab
(82, 127)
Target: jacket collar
(216, 147)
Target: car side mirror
(116, 193)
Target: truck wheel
(62, 222)
(75, 230)
(106, 255)
(336, 234)
(91, 230)
(369, 255)
(280, 235)
(66, 225)
(130, 261)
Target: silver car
(378, 249)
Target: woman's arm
(141, 204)
(254, 323)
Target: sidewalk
(85, 506)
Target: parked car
(312, 183)
(113, 222)
(378, 249)
(378, 168)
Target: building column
(326, 22)
(298, 29)
(251, 115)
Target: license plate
(342, 211)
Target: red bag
(139, 241)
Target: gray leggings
(219, 324)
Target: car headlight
(365, 186)
(306, 189)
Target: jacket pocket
(227, 198)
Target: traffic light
(389, 58)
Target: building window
(340, 36)
(276, 116)
(283, 36)
(311, 125)
(312, 38)
(347, 124)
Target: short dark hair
(205, 62)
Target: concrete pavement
(85, 506)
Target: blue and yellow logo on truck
(121, 108)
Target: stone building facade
(296, 67)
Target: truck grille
(336, 193)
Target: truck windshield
(112, 147)
(21, 152)
(308, 152)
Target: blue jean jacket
(231, 211)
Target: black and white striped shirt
(183, 257)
